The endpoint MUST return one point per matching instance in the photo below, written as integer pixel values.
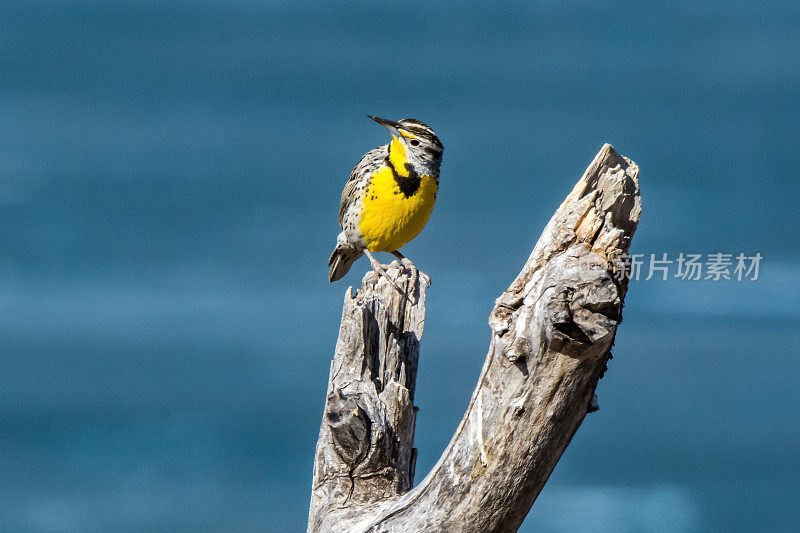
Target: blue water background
(169, 185)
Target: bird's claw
(416, 274)
(406, 263)
(381, 272)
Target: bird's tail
(342, 258)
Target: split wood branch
(552, 333)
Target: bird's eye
(414, 142)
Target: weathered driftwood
(552, 333)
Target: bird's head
(420, 146)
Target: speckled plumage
(352, 203)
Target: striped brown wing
(359, 178)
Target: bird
(389, 197)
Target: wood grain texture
(365, 449)
(552, 333)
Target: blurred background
(170, 176)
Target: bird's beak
(390, 125)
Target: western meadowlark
(389, 197)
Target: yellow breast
(390, 219)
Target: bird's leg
(376, 267)
(415, 273)
(380, 271)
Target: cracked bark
(552, 333)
